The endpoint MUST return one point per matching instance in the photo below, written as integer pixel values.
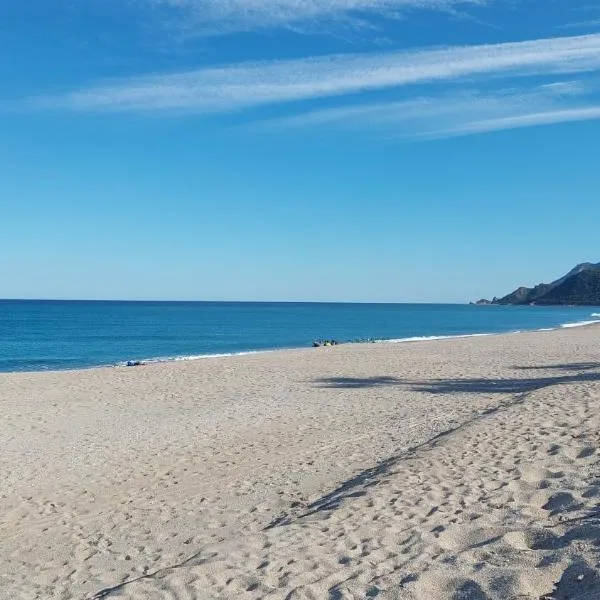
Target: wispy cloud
(589, 24)
(454, 114)
(249, 85)
(225, 16)
(550, 117)
(591, 21)
(448, 107)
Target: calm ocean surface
(41, 335)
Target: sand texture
(464, 469)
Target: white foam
(163, 359)
(424, 338)
(428, 338)
(579, 324)
(221, 355)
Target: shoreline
(399, 470)
(199, 357)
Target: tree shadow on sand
(357, 382)
(498, 386)
(574, 373)
(518, 388)
(582, 366)
(356, 486)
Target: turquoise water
(41, 335)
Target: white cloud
(271, 82)
(446, 106)
(224, 16)
(454, 114)
(551, 117)
(590, 24)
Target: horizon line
(114, 300)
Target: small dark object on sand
(134, 363)
(319, 343)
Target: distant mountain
(580, 285)
(578, 269)
(581, 288)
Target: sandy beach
(452, 469)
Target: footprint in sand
(532, 539)
(561, 502)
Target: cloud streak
(248, 85)
(589, 24)
(225, 16)
(551, 117)
(454, 114)
(447, 111)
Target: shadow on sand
(356, 486)
(517, 387)
(357, 382)
(574, 373)
(498, 386)
(583, 366)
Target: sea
(56, 335)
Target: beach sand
(462, 469)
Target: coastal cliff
(580, 286)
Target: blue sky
(353, 150)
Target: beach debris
(134, 363)
(320, 343)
